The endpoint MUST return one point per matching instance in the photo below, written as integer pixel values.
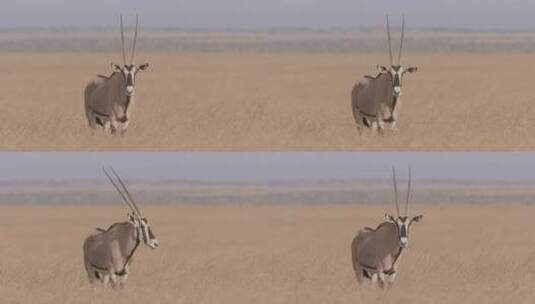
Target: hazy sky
(474, 14)
(216, 166)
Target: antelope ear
(382, 69)
(143, 67)
(388, 217)
(417, 218)
(115, 67)
(411, 69)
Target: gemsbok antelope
(109, 99)
(376, 252)
(376, 100)
(108, 253)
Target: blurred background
(268, 178)
(279, 25)
(255, 14)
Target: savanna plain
(293, 253)
(274, 91)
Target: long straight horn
(389, 40)
(118, 189)
(122, 41)
(126, 191)
(408, 194)
(402, 37)
(395, 189)
(134, 43)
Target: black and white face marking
(129, 74)
(146, 232)
(403, 223)
(403, 227)
(148, 237)
(396, 73)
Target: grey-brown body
(376, 101)
(108, 100)
(374, 104)
(375, 253)
(109, 253)
(106, 103)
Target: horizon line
(97, 28)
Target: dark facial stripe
(402, 231)
(145, 234)
(129, 79)
(396, 80)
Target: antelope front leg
(393, 125)
(122, 280)
(107, 127)
(123, 277)
(374, 126)
(114, 126)
(374, 278)
(124, 127)
(105, 279)
(113, 280)
(381, 280)
(381, 127)
(390, 279)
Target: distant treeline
(268, 40)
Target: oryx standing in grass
(376, 100)
(109, 99)
(376, 252)
(108, 253)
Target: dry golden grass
(237, 101)
(284, 254)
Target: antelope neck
(129, 257)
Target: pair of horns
(133, 52)
(396, 191)
(123, 191)
(390, 40)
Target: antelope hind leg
(359, 274)
(92, 126)
(359, 120)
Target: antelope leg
(381, 280)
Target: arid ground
(270, 101)
(278, 254)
